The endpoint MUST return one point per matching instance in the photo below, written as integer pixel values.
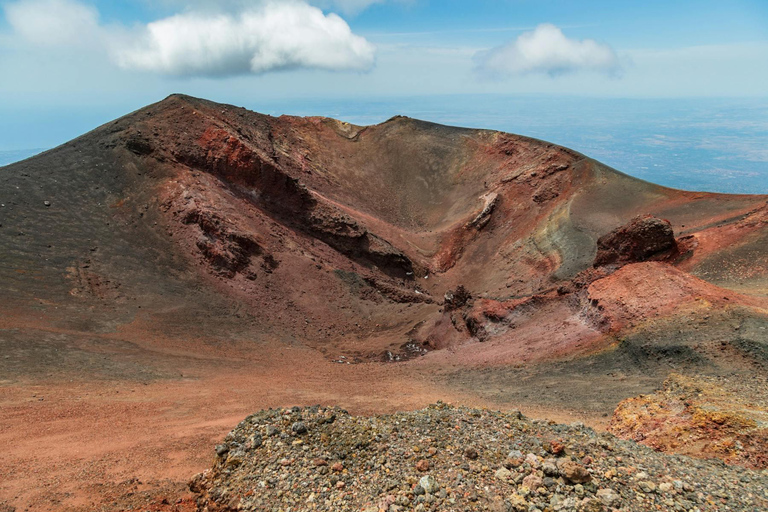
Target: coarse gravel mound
(454, 459)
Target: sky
(70, 64)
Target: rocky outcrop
(642, 239)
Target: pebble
(573, 472)
(609, 497)
(422, 465)
(429, 484)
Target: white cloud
(267, 36)
(547, 50)
(53, 22)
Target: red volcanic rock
(573, 472)
(643, 238)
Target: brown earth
(172, 271)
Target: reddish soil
(82, 444)
(172, 271)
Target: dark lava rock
(643, 238)
(299, 428)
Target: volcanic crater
(192, 262)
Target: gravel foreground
(445, 458)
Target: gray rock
(609, 497)
(429, 484)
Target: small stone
(550, 469)
(533, 460)
(591, 505)
(533, 481)
(221, 449)
(503, 474)
(665, 487)
(422, 465)
(340, 484)
(471, 454)
(646, 486)
(518, 503)
(47, 203)
(299, 428)
(418, 490)
(319, 462)
(429, 484)
(337, 467)
(272, 430)
(573, 472)
(609, 497)
(555, 448)
(235, 458)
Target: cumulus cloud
(272, 36)
(53, 22)
(267, 36)
(547, 50)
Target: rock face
(642, 239)
(515, 467)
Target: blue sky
(70, 64)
